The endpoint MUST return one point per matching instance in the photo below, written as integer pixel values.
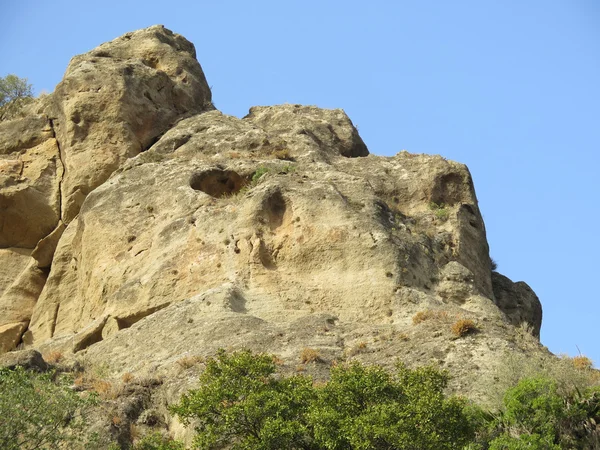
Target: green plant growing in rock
(156, 441)
(258, 174)
(39, 411)
(439, 210)
(367, 407)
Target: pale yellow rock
(18, 300)
(29, 194)
(333, 234)
(116, 99)
(10, 335)
(45, 248)
(12, 262)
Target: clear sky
(511, 88)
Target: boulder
(518, 302)
(28, 359)
(116, 100)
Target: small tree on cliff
(15, 93)
(13, 88)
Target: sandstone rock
(518, 302)
(45, 248)
(10, 336)
(333, 234)
(115, 100)
(18, 300)
(12, 262)
(30, 175)
(28, 359)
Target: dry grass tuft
(309, 355)
(429, 314)
(582, 362)
(462, 327)
(106, 390)
(127, 377)
(283, 154)
(53, 357)
(189, 361)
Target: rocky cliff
(140, 226)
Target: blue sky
(511, 88)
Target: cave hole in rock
(448, 189)
(218, 183)
(275, 210)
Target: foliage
(367, 407)
(516, 367)
(156, 441)
(242, 403)
(258, 174)
(493, 265)
(440, 211)
(537, 416)
(13, 88)
(15, 93)
(38, 411)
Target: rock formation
(139, 225)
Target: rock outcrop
(138, 224)
(113, 103)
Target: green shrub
(367, 407)
(15, 93)
(439, 210)
(536, 416)
(241, 402)
(39, 411)
(13, 88)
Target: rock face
(112, 103)
(518, 302)
(139, 224)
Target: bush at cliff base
(242, 403)
(39, 411)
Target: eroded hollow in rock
(217, 182)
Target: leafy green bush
(39, 411)
(242, 403)
(367, 407)
(536, 416)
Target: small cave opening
(448, 189)
(218, 183)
